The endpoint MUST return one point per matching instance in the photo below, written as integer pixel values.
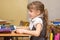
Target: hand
(20, 30)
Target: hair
(39, 6)
(36, 5)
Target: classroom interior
(15, 12)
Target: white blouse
(35, 21)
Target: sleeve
(39, 20)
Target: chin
(31, 17)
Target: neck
(41, 15)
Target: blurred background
(16, 10)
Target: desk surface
(13, 34)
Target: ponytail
(45, 16)
(45, 20)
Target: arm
(35, 32)
(32, 32)
(23, 27)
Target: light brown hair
(36, 5)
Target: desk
(14, 35)
(4, 22)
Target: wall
(13, 10)
(53, 8)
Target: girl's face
(33, 13)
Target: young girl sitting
(37, 23)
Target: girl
(37, 23)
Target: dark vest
(42, 34)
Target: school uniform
(32, 26)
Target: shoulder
(37, 20)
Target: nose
(29, 13)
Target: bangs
(31, 6)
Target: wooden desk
(13, 35)
(4, 22)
